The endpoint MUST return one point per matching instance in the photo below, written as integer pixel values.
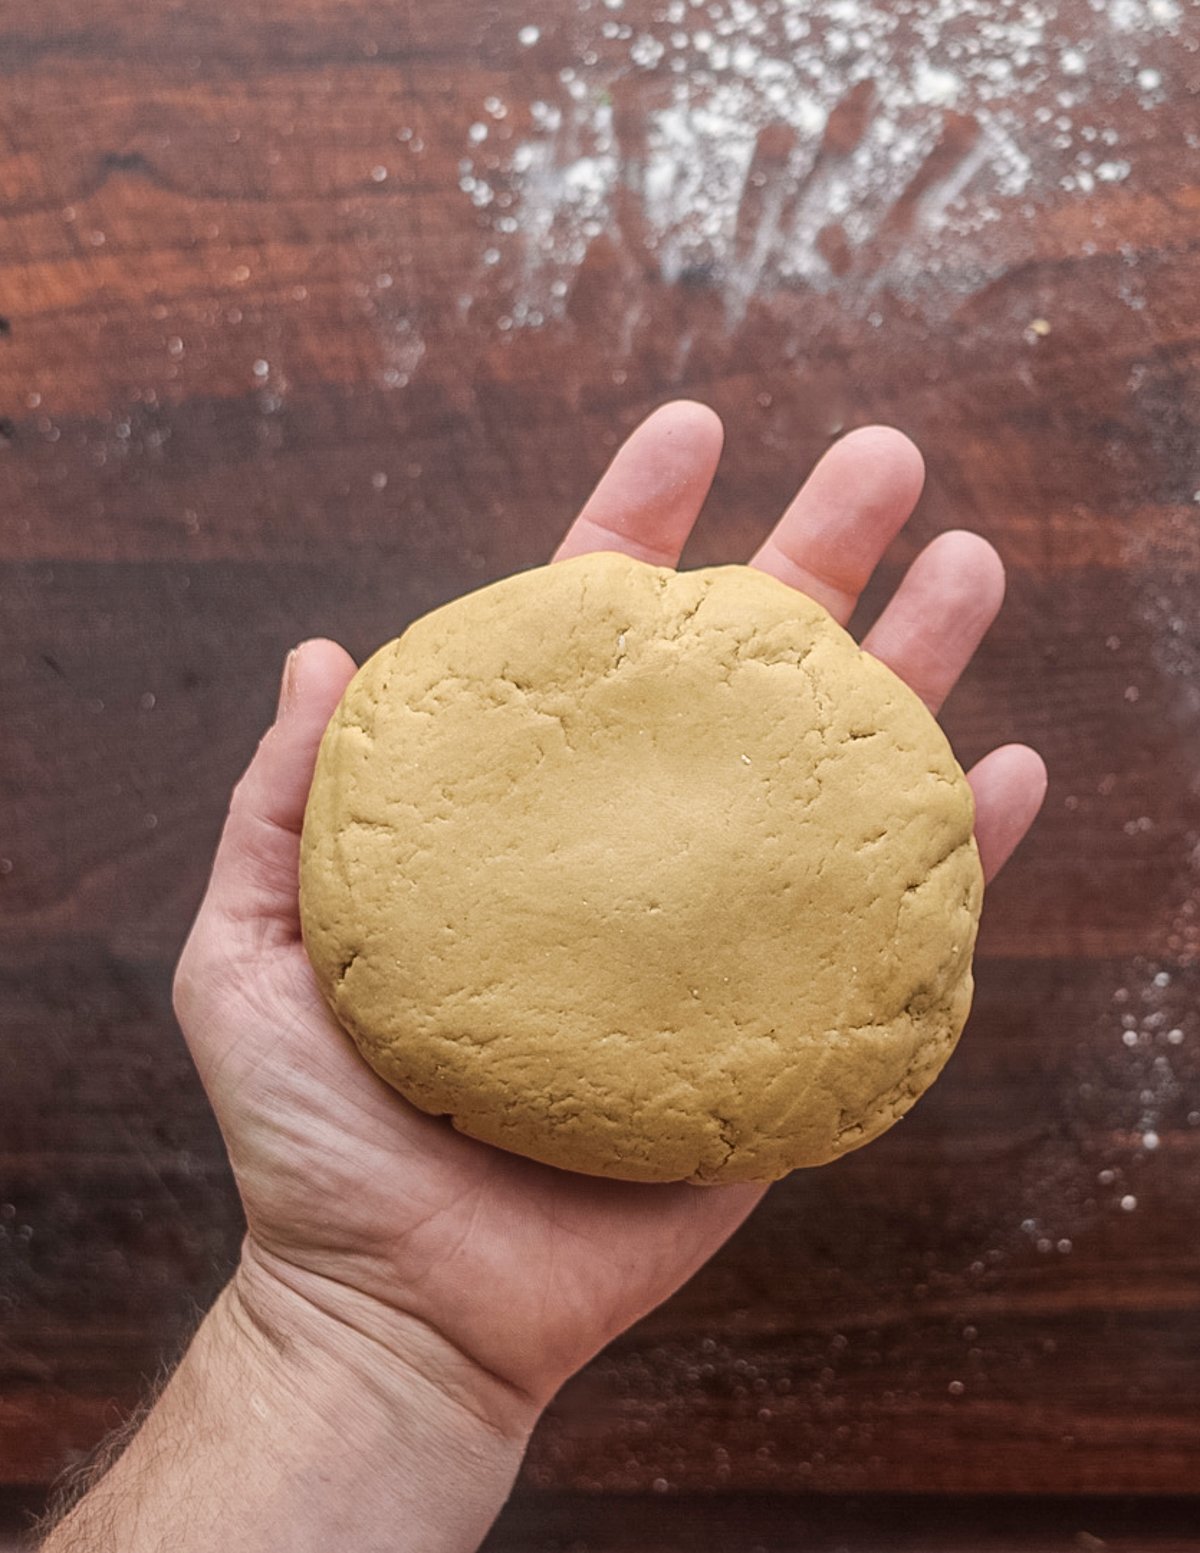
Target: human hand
(492, 1276)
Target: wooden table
(317, 313)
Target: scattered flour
(801, 140)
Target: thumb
(255, 875)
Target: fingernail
(286, 684)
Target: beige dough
(647, 875)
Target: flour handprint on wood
(825, 146)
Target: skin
(408, 1300)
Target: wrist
(292, 1426)
(317, 1330)
(378, 1431)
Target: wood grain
(560, 1522)
(267, 371)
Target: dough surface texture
(648, 875)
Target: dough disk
(643, 874)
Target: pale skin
(408, 1300)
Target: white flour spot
(1152, 1036)
(931, 85)
(830, 142)
(402, 348)
(1141, 15)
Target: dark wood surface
(288, 347)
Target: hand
(491, 1275)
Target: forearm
(284, 1430)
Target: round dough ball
(643, 874)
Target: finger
(653, 490)
(1009, 786)
(939, 614)
(254, 877)
(846, 514)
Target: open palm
(381, 1216)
